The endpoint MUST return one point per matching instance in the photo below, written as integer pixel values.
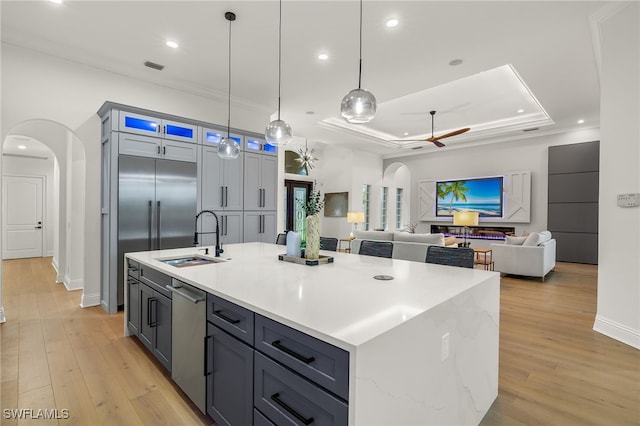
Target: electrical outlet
(445, 346)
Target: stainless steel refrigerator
(156, 207)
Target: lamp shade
(358, 106)
(355, 217)
(228, 149)
(465, 218)
(278, 132)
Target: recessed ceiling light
(580, 121)
(323, 56)
(172, 44)
(455, 62)
(22, 147)
(393, 22)
(406, 133)
(56, 1)
(520, 111)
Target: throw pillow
(373, 235)
(535, 238)
(449, 241)
(514, 241)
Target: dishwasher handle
(190, 298)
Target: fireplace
(474, 232)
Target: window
(366, 189)
(398, 208)
(383, 207)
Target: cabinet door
(268, 181)
(141, 146)
(252, 226)
(208, 226)
(179, 131)
(133, 306)
(232, 227)
(252, 183)
(233, 178)
(230, 379)
(161, 317)
(181, 151)
(146, 330)
(268, 234)
(212, 179)
(139, 124)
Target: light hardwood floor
(554, 369)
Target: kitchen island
(422, 347)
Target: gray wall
(573, 201)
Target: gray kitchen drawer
(260, 420)
(230, 317)
(320, 362)
(156, 280)
(133, 269)
(287, 398)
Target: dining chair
(451, 256)
(376, 248)
(281, 239)
(328, 243)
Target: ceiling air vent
(417, 147)
(533, 129)
(153, 65)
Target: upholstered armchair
(533, 256)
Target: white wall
(24, 166)
(619, 243)
(525, 154)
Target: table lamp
(465, 219)
(355, 218)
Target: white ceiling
(549, 45)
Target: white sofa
(406, 246)
(533, 256)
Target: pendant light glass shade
(228, 149)
(359, 105)
(278, 132)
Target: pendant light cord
(279, 57)
(360, 69)
(229, 97)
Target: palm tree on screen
(457, 190)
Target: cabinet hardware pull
(206, 355)
(303, 419)
(153, 302)
(226, 196)
(149, 311)
(222, 196)
(164, 150)
(283, 348)
(219, 314)
(158, 149)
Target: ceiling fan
(436, 139)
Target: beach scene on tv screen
(481, 195)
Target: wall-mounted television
(483, 195)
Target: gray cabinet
(260, 226)
(154, 147)
(231, 228)
(133, 297)
(150, 125)
(260, 177)
(155, 314)
(259, 145)
(222, 181)
(229, 367)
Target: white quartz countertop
(340, 302)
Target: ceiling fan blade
(454, 133)
(437, 143)
(408, 140)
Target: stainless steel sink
(184, 261)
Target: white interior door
(22, 217)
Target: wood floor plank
(35, 400)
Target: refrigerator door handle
(159, 247)
(150, 222)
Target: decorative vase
(312, 250)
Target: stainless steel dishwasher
(188, 330)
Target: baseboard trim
(617, 331)
(59, 278)
(72, 285)
(89, 300)
(2, 317)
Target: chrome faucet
(196, 233)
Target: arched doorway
(68, 192)
(397, 179)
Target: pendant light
(359, 105)
(278, 132)
(228, 149)
(306, 157)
